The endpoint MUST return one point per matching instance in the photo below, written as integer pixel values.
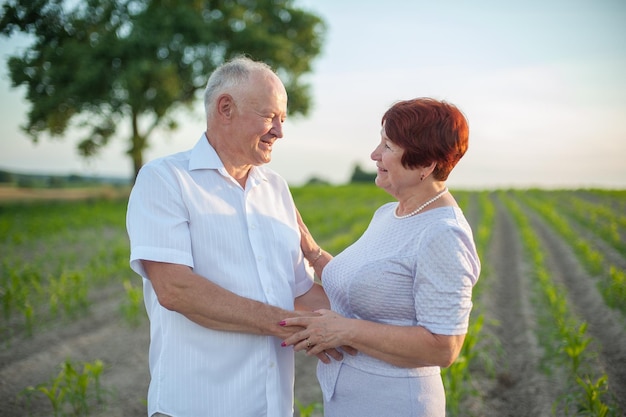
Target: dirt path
(13, 194)
(519, 389)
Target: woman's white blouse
(417, 271)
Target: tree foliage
(358, 175)
(97, 64)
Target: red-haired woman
(401, 295)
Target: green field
(548, 329)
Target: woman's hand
(402, 346)
(320, 333)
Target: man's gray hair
(228, 75)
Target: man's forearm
(179, 289)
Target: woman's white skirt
(362, 394)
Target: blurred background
(542, 84)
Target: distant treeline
(23, 180)
(358, 176)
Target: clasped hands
(318, 335)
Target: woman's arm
(404, 346)
(313, 253)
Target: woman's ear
(427, 170)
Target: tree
(358, 175)
(103, 63)
(6, 177)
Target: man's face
(260, 113)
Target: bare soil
(515, 386)
(13, 194)
(30, 360)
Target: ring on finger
(308, 344)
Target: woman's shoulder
(446, 214)
(387, 206)
(384, 211)
(443, 220)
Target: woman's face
(391, 175)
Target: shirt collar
(204, 156)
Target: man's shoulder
(172, 162)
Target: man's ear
(225, 106)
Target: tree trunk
(137, 163)
(138, 144)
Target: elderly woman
(401, 294)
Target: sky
(542, 84)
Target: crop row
(601, 223)
(54, 256)
(564, 335)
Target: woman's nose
(375, 155)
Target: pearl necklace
(420, 208)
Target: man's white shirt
(186, 209)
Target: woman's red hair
(429, 131)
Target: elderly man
(215, 236)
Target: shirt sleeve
(304, 274)
(446, 274)
(157, 220)
(305, 277)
